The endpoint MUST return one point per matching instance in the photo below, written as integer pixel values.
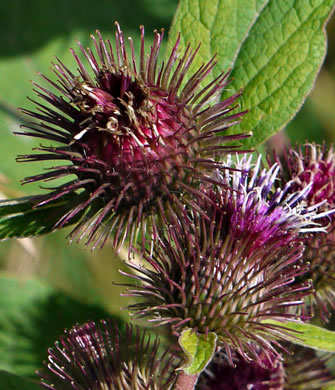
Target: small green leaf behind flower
(308, 335)
(20, 218)
(199, 349)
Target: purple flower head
(138, 138)
(231, 265)
(258, 209)
(313, 166)
(100, 356)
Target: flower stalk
(186, 381)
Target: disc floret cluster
(228, 245)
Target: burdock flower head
(314, 166)
(311, 165)
(100, 356)
(231, 266)
(139, 138)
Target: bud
(100, 356)
(313, 167)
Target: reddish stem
(186, 382)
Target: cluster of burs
(224, 246)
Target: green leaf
(221, 27)
(309, 335)
(19, 218)
(32, 317)
(275, 49)
(199, 349)
(9, 381)
(278, 63)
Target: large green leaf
(278, 63)
(32, 317)
(221, 27)
(9, 381)
(275, 61)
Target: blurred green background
(316, 119)
(32, 34)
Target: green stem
(186, 382)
